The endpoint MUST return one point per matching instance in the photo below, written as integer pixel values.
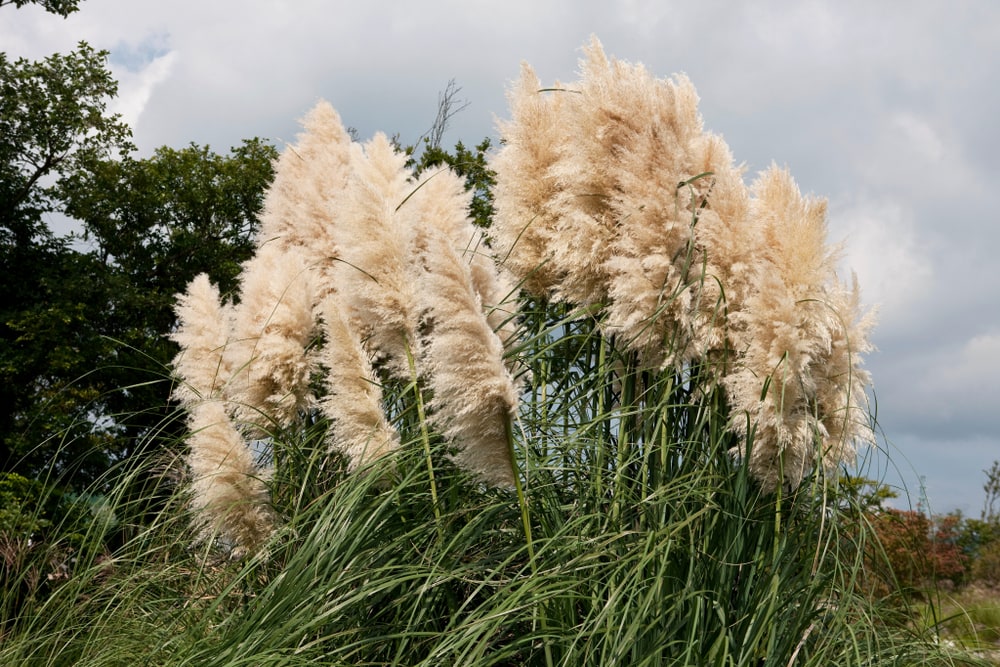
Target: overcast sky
(888, 109)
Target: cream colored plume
(840, 388)
(605, 182)
(526, 188)
(374, 272)
(474, 396)
(353, 403)
(202, 333)
(792, 318)
(729, 238)
(273, 328)
(228, 493)
(441, 201)
(303, 201)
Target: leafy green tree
(863, 493)
(979, 538)
(154, 225)
(53, 118)
(83, 360)
(61, 7)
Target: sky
(890, 110)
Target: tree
(61, 7)
(917, 549)
(991, 489)
(83, 361)
(155, 224)
(53, 117)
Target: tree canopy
(83, 355)
(61, 7)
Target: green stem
(522, 501)
(426, 439)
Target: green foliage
(20, 502)
(986, 565)
(52, 119)
(155, 224)
(41, 532)
(868, 494)
(61, 7)
(87, 371)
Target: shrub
(917, 550)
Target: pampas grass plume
(304, 198)
(229, 496)
(474, 395)
(202, 333)
(373, 275)
(273, 328)
(353, 403)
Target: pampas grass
(228, 491)
(353, 401)
(649, 224)
(308, 188)
(363, 275)
(272, 330)
(474, 395)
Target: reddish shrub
(919, 550)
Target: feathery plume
(654, 267)
(526, 188)
(616, 195)
(731, 241)
(790, 331)
(229, 496)
(303, 200)
(354, 399)
(373, 276)
(202, 333)
(272, 331)
(473, 393)
(840, 384)
(441, 201)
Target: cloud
(966, 383)
(883, 248)
(135, 88)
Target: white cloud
(136, 88)
(970, 377)
(894, 269)
(923, 140)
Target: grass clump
(637, 538)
